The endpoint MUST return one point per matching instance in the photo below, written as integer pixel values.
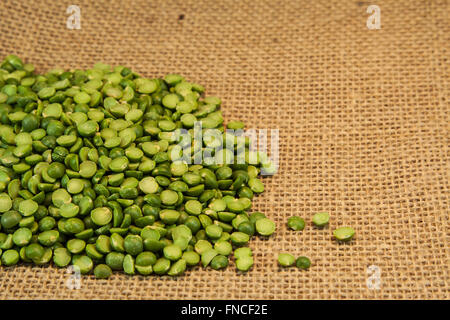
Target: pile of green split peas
(320, 220)
(88, 176)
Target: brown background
(363, 118)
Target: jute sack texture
(363, 123)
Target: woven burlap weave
(363, 118)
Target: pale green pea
(69, 210)
(88, 169)
(128, 264)
(286, 259)
(101, 216)
(161, 266)
(102, 271)
(10, 257)
(256, 185)
(76, 246)
(265, 226)
(5, 202)
(296, 223)
(219, 262)
(207, 256)
(148, 185)
(28, 207)
(192, 258)
(193, 207)
(75, 186)
(177, 268)
(223, 247)
(344, 233)
(172, 252)
(202, 246)
(321, 219)
(242, 252)
(244, 263)
(22, 236)
(60, 196)
(84, 263)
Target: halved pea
(344, 233)
(119, 164)
(69, 210)
(321, 219)
(265, 227)
(148, 185)
(5, 202)
(28, 207)
(75, 186)
(60, 196)
(193, 207)
(101, 216)
(88, 169)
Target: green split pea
(94, 173)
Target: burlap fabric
(363, 119)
